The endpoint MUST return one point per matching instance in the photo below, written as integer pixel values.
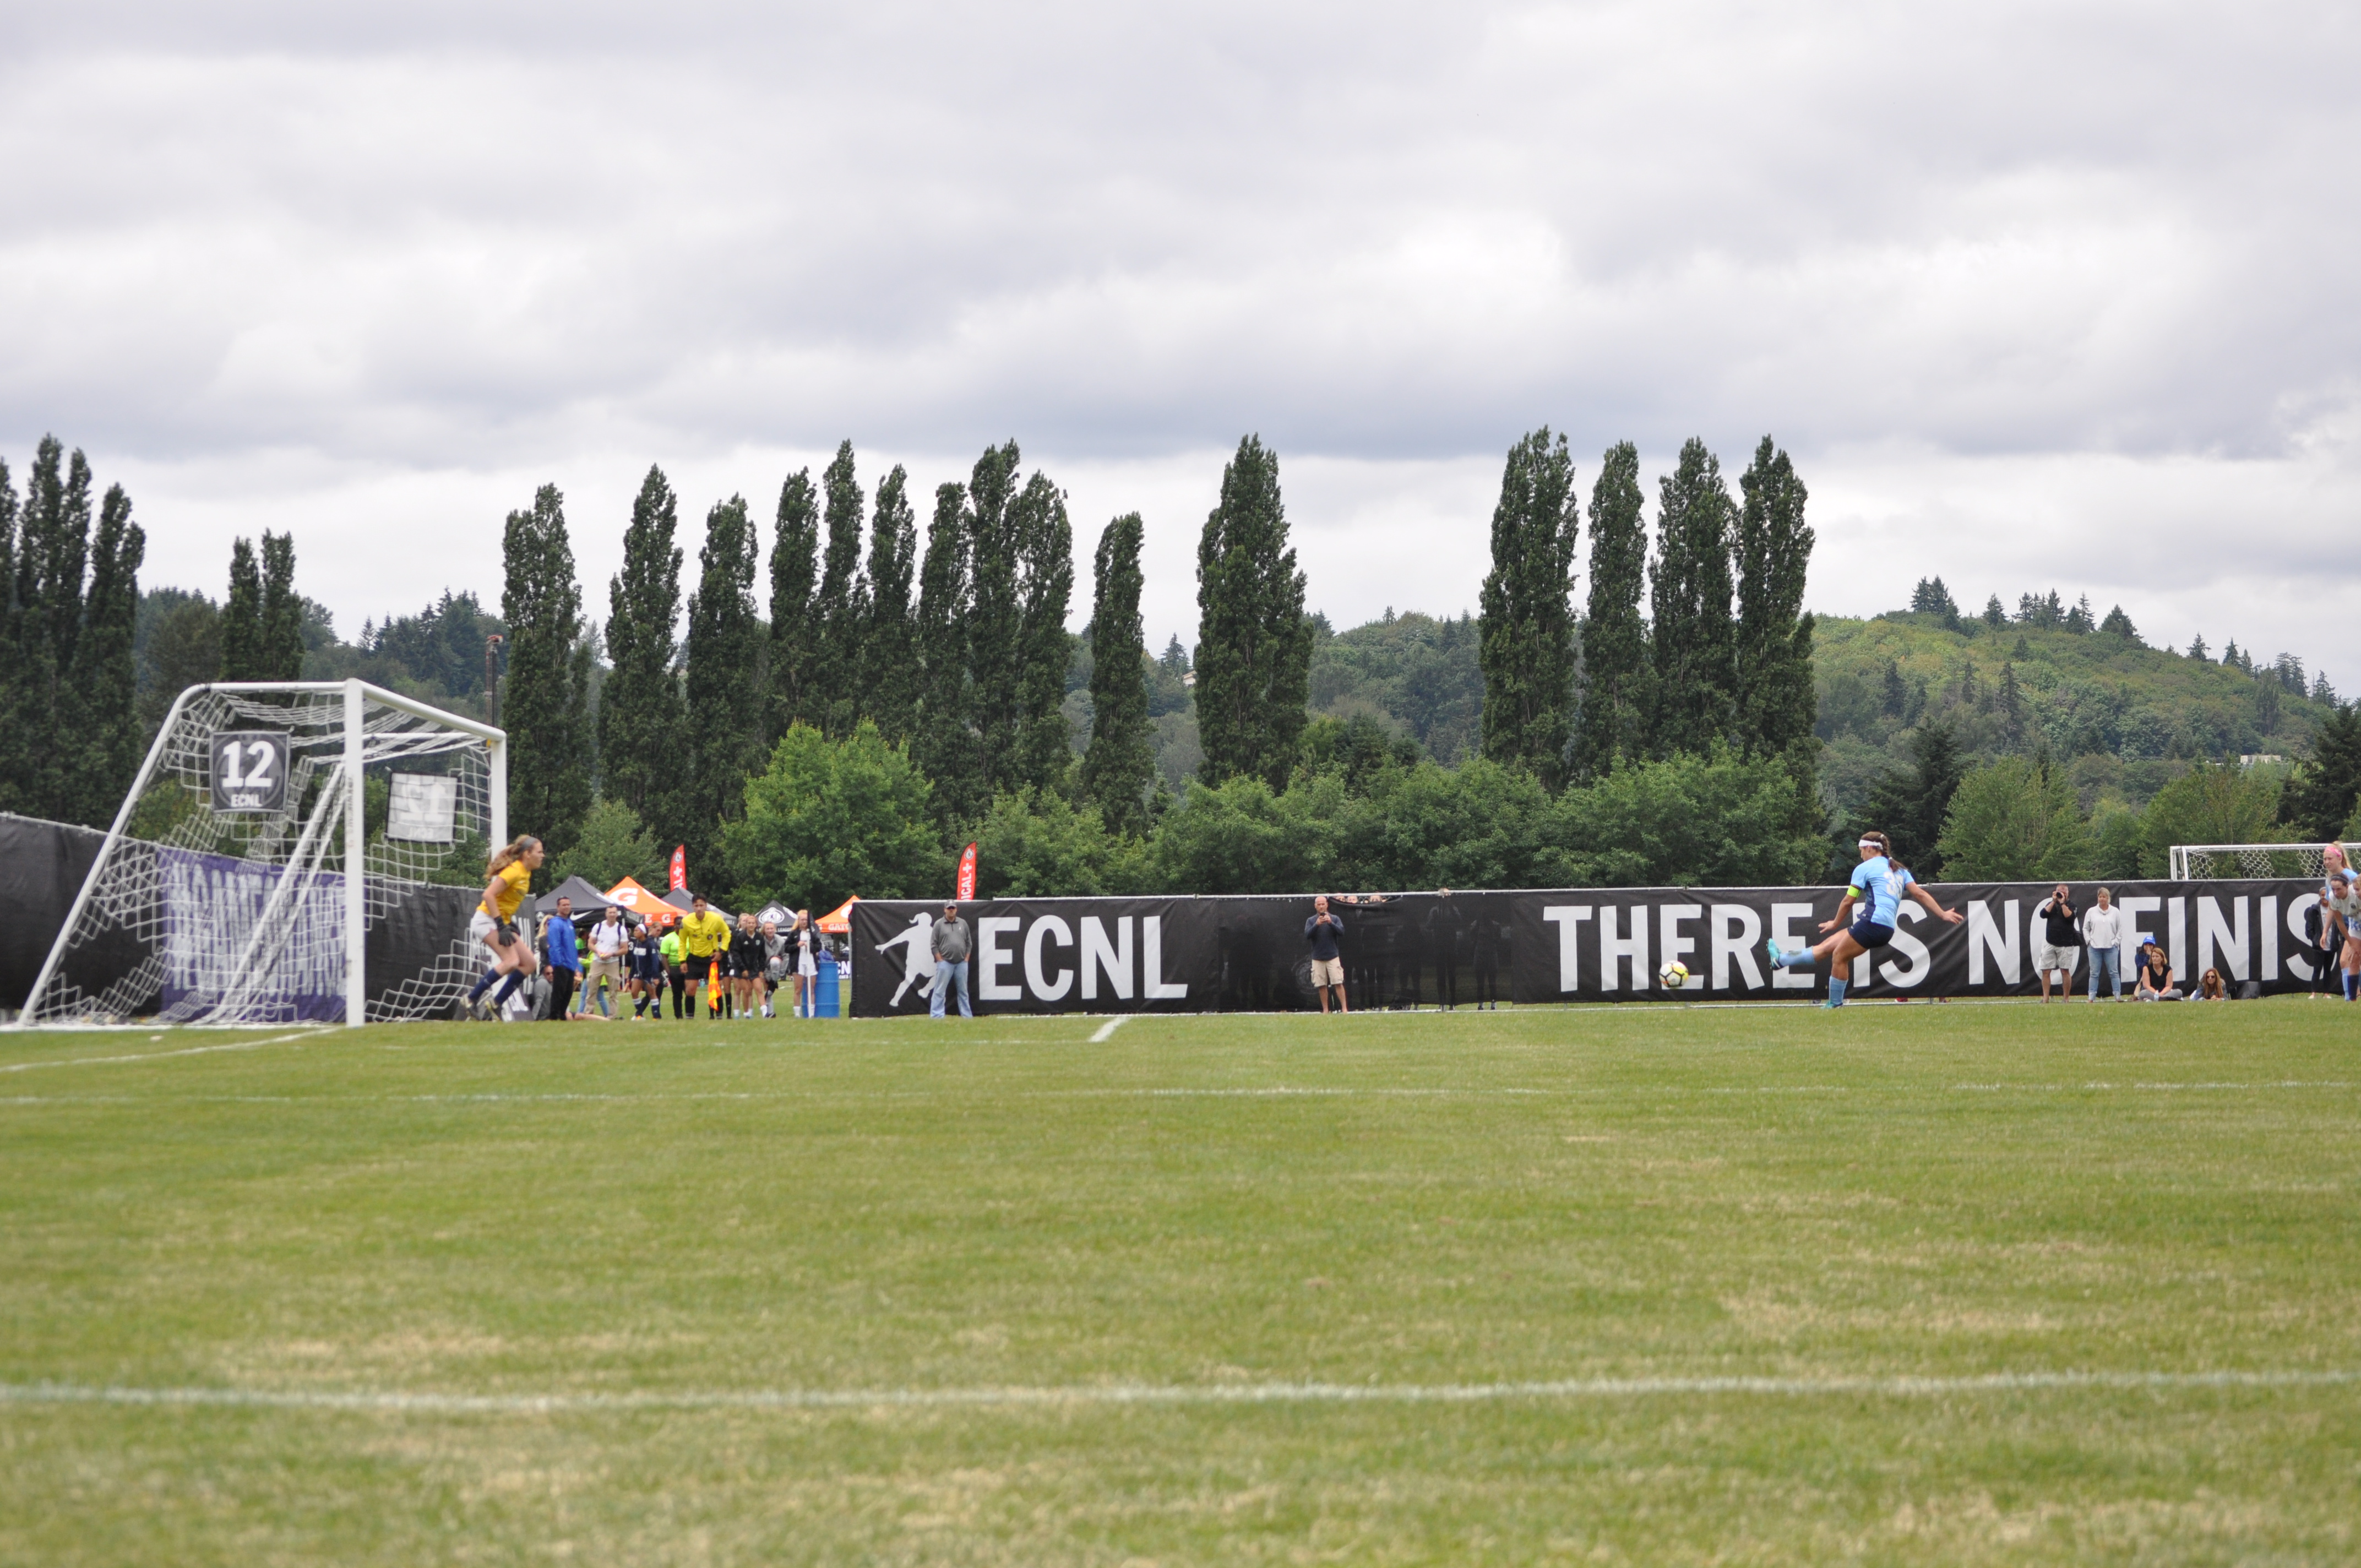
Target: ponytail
(509, 854)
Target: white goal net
(2251, 862)
(224, 893)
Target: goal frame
(350, 773)
(2177, 867)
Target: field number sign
(250, 770)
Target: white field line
(2147, 1087)
(152, 1056)
(1106, 1030)
(1166, 1394)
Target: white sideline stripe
(1904, 1387)
(1106, 1030)
(150, 1056)
(2145, 1088)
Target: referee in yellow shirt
(702, 934)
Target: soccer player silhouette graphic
(917, 956)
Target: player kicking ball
(494, 924)
(1880, 884)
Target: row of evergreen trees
(1723, 658)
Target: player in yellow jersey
(702, 934)
(508, 876)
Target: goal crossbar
(2198, 862)
(341, 800)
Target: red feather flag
(967, 874)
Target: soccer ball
(1674, 975)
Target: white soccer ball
(1674, 975)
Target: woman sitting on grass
(2211, 988)
(2154, 975)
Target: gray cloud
(2082, 264)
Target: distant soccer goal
(304, 851)
(2209, 862)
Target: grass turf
(674, 1212)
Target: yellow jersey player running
(510, 873)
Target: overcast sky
(2057, 295)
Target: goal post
(299, 851)
(2204, 863)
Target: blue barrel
(826, 985)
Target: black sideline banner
(1248, 954)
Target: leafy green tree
(1527, 649)
(1695, 639)
(2115, 846)
(1718, 819)
(613, 844)
(1995, 615)
(826, 819)
(241, 615)
(1481, 824)
(546, 708)
(1120, 766)
(641, 738)
(2118, 624)
(2321, 796)
(1044, 541)
(1236, 838)
(1034, 844)
(840, 607)
(796, 646)
(1929, 597)
(1909, 805)
(889, 650)
(1253, 645)
(1616, 664)
(943, 745)
(2016, 821)
(995, 621)
(2209, 805)
(105, 679)
(724, 723)
(279, 631)
(1778, 705)
(182, 649)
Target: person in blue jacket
(564, 960)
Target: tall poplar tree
(241, 616)
(995, 622)
(52, 555)
(942, 746)
(1777, 703)
(725, 738)
(889, 653)
(12, 732)
(1527, 635)
(640, 738)
(838, 608)
(105, 679)
(794, 635)
(546, 701)
(1695, 636)
(1615, 661)
(280, 632)
(1044, 541)
(1121, 762)
(1254, 642)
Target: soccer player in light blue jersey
(1880, 886)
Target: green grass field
(1900, 1284)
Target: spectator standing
(950, 942)
(1485, 949)
(674, 954)
(1324, 932)
(776, 960)
(647, 972)
(809, 945)
(2154, 983)
(746, 959)
(1446, 926)
(564, 960)
(608, 944)
(2060, 936)
(2103, 930)
(2323, 944)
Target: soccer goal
(305, 851)
(2254, 861)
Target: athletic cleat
(1827, 1005)
(1778, 958)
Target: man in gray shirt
(951, 941)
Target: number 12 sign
(250, 770)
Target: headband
(1870, 844)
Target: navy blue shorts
(1869, 935)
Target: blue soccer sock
(501, 997)
(1803, 959)
(1836, 991)
(483, 985)
(2353, 987)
